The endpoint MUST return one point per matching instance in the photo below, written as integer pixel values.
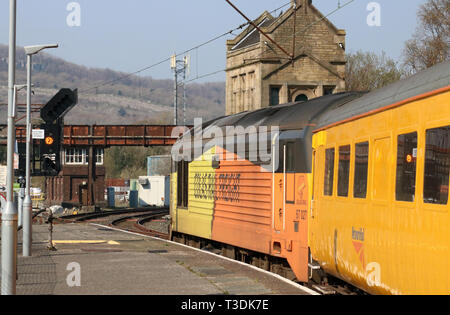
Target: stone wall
(313, 63)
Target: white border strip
(292, 283)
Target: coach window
(329, 172)
(406, 167)
(344, 170)
(437, 161)
(361, 169)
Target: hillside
(129, 101)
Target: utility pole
(27, 203)
(181, 70)
(9, 215)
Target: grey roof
(425, 81)
(292, 116)
(288, 116)
(254, 36)
(326, 110)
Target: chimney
(301, 4)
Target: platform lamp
(17, 88)
(27, 203)
(9, 214)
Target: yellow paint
(319, 139)
(86, 242)
(197, 218)
(406, 244)
(173, 200)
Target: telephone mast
(181, 72)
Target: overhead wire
(110, 82)
(297, 33)
(303, 30)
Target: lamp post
(9, 215)
(27, 203)
(17, 88)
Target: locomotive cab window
(361, 169)
(437, 161)
(344, 170)
(182, 184)
(406, 167)
(290, 157)
(329, 172)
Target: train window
(343, 170)
(361, 169)
(437, 162)
(329, 172)
(182, 184)
(406, 167)
(290, 157)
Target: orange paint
(253, 210)
(242, 210)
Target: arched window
(301, 98)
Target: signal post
(52, 113)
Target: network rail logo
(259, 145)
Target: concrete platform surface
(92, 259)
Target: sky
(133, 34)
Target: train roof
(432, 79)
(292, 116)
(331, 109)
(289, 118)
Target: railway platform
(92, 259)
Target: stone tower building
(260, 74)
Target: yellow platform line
(86, 242)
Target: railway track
(104, 214)
(133, 220)
(137, 223)
(140, 224)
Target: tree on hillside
(430, 43)
(366, 71)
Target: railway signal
(59, 105)
(50, 148)
(53, 113)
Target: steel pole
(184, 96)
(175, 98)
(27, 203)
(9, 216)
(20, 206)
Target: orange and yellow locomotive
(351, 185)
